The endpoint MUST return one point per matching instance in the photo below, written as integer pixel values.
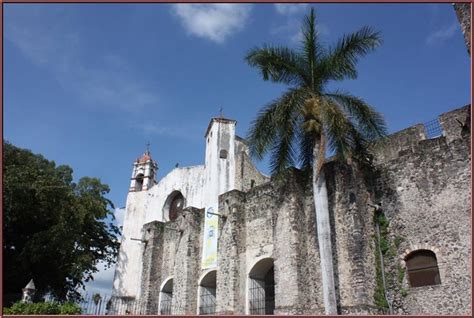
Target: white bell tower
(144, 173)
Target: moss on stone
(382, 246)
(401, 274)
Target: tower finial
(220, 112)
(148, 147)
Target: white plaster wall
(219, 173)
(188, 180)
(200, 185)
(128, 268)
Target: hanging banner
(211, 226)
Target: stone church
(222, 238)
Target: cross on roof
(220, 111)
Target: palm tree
(307, 120)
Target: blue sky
(88, 85)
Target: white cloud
(291, 8)
(105, 80)
(215, 22)
(444, 34)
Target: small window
(252, 183)
(422, 268)
(223, 154)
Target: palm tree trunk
(323, 227)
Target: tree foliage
(55, 231)
(308, 113)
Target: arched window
(174, 204)
(207, 294)
(139, 182)
(262, 288)
(422, 268)
(166, 297)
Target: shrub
(45, 308)
(70, 309)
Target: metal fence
(95, 305)
(207, 301)
(165, 303)
(107, 305)
(261, 297)
(433, 129)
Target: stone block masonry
(267, 243)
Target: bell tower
(144, 173)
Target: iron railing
(165, 303)
(207, 304)
(433, 129)
(261, 297)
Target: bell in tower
(144, 173)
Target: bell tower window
(139, 182)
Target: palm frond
(338, 129)
(279, 64)
(312, 50)
(283, 152)
(266, 130)
(262, 131)
(306, 140)
(341, 61)
(369, 122)
(309, 44)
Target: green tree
(55, 231)
(308, 120)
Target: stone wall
(426, 198)
(269, 221)
(247, 176)
(463, 12)
(353, 242)
(423, 187)
(172, 250)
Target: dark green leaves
(340, 62)
(279, 64)
(55, 231)
(306, 115)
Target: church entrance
(166, 298)
(262, 288)
(207, 294)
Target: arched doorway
(262, 288)
(207, 294)
(166, 297)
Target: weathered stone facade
(463, 12)
(423, 187)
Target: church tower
(144, 173)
